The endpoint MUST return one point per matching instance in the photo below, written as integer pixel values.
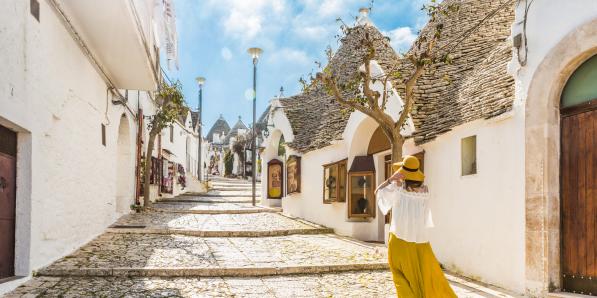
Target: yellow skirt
(416, 271)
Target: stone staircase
(217, 245)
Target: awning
(362, 164)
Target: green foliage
(171, 105)
(228, 160)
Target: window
(361, 184)
(334, 182)
(34, 8)
(103, 134)
(469, 155)
(171, 133)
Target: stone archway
(542, 161)
(124, 168)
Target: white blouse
(411, 216)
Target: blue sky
(213, 36)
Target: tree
(228, 160)
(356, 93)
(240, 144)
(170, 105)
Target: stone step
(348, 284)
(247, 189)
(373, 283)
(114, 254)
(199, 233)
(215, 225)
(210, 208)
(220, 194)
(212, 272)
(211, 200)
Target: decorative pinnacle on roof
(363, 18)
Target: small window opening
(469, 155)
(34, 7)
(103, 134)
(171, 134)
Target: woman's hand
(397, 177)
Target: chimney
(363, 18)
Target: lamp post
(254, 52)
(200, 82)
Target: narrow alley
(218, 245)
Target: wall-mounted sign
(274, 179)
(293, 174)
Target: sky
(214, 35)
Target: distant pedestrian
(415, 270)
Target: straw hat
(409, 167)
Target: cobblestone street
(214, 246)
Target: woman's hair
(410, 184)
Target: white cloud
(289, 56)
(226, 53)
(244, 20)
(311, 33)
(401, 38)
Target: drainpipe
(139, 149)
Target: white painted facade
(308, 204)
(481, 230)
(56, 94)
(482, 221)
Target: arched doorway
(124, 169)
(543, 231)
(578, 176)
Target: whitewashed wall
(70, 187)
(57, 102)
(479, 219)
(308, 204)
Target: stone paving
(210, 208)
(159, 254)
(214, 225)
(346, 284)
(179, 253)
(210, 199)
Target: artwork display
(274, 179)
(334, 182)
(169, 173)
(293, 174)
(361, 187)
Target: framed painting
(275, 177)
(293, 174)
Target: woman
(415, 270)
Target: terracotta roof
(476, 85)
(220, 127)
(315, 116)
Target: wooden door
(8, 170)
(579, 201)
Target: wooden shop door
(579, 201)
(8, 171)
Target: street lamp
(200, 82)
(254, 52)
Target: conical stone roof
(220, 127)
(315, 116)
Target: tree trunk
(147, 170)
(397, 141)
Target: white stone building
(72, 91)
(312, 126)
(508, 147)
